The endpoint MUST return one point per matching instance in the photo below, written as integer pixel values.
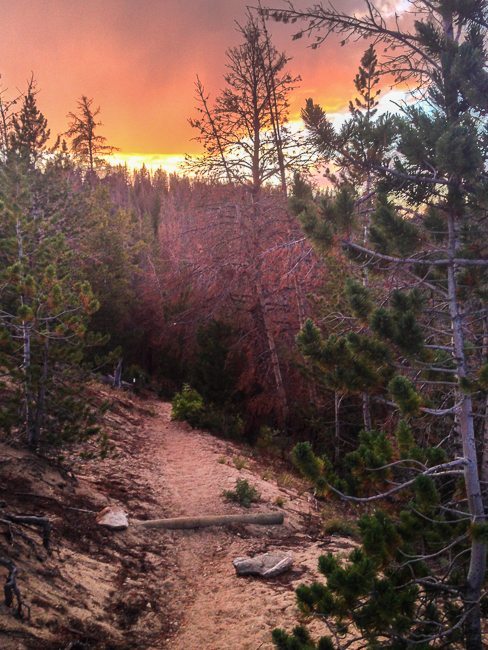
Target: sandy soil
(149, 589)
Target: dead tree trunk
(273, 355)
(184, 523)
(118, 374)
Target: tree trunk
(26, 353)
(41, 395)
(366, 412)
(477, 565)
(118, 374)
(183, 523)
(26, 368)
(337, 424)
(270, 82)
(484, 452)
(273, 355)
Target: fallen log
(184, 523)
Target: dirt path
(156, 589)
(189, 470)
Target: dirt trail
(156, 589)
(189, 470)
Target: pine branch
(431, 471)
(412, 260)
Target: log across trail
(185, 523)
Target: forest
(317, 295)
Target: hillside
(154, 589)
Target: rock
(113, 517)
(267, 565)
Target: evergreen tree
(29, 133)
(45, 304)
(419, 578)
(43, 321)
(213, 373)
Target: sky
(138, 60)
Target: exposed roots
(12, 594)
(13, 597)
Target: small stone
(267, 565)
(113, 517)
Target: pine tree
(29, 133)
(418, 579)
(45, 303)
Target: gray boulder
(267, 565)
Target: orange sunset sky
(138, 60)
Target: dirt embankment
(149, 589)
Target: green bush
(244, 494)
(188, 405)
(227, 425)
(266, 439)
(341, 527)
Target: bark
(337, 424)
(484, 453)
(256, 155)
(41, 396)
(477, 565)
(118, 374)
(12, 595)
(26, 362)
(183, 523)
(366, 412)
(262, 298)
(26, 353)
(42, 523)
(274, 359)
(90, 151)
(270, 82)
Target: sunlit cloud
(170, 163)
(390, 102)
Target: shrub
(239, 462)
(188, 405)
(244, 494)
(221, 423)
(271, 441)
(341, 527)
(286, 480)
